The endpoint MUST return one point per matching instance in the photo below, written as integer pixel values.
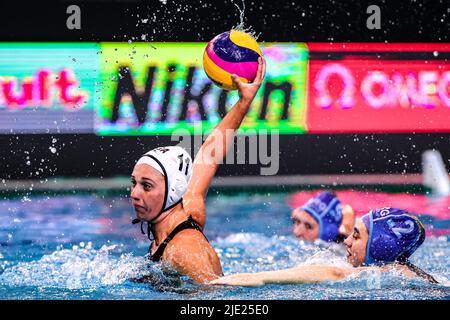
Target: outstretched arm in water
(300, 274)
(216, 146)
(311, 274)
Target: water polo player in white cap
(169, 191)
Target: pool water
(84, 247)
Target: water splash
(78, 267)
(253, 252)
(241, 25)
(242, 239)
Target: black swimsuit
(188, 224)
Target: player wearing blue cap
(323, 217)
(382, 239)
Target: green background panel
(285, 62)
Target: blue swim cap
(326, 209)
(394, 235)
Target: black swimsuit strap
(188, 224)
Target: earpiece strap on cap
(166, 191)
(176, 203)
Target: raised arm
(216, 146)
(300, 274)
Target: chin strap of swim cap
(164, 173)
(149, 228)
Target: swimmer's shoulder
(194, 206)
(188, 239)
(410, 270)
(191, 254)
(400, 268)
(403, 269)
(407, 270)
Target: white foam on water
(78, 267)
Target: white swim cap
(175, 164)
